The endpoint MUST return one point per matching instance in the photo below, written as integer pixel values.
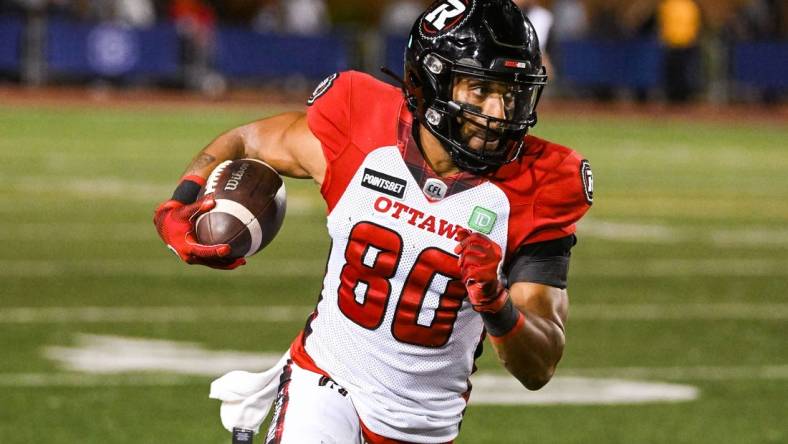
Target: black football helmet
(487, 41)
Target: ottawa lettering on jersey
(418, 218)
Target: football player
(448, 224)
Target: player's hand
(174, 221)
(479, 259)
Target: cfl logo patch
(435, 189)
(446, 16)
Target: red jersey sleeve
(562, 198)
(328, 114)
(352, 114)
(329, 117)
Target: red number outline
(371, 313)
(374, 299)
(405, 326)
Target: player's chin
(479, 143)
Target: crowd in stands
(566, 18)
(289, 16)
(680, 25)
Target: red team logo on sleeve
(588, 181)
(322, 88)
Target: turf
(690, 220)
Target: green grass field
(681, 276)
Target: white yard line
(76, 231)
(98, 232)
(157, 379)
(708, 311)
(166, 314)
(115, 188)
(677, 373)
(501, 389)
(632, 232)
(488, 388)
(705, 373)
(81, 380)
(681, 268)
(295, 313)
(104, 354)
(103, 361)
(300, 206)
(750, 236)
(316, 267)
(152, 267)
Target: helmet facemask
(484, 114)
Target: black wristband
(242, 436)
(187, 191)
(502, 321)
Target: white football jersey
(393, 324)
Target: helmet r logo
(445, 16)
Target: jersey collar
(418, 166)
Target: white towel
(247, 397)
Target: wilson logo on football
(445, 16)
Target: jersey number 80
(375, 277)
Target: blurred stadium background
(679, 286)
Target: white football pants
(309, 408)
(312, 409)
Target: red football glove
(479, 259)
(174, 221)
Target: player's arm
(534, 345)
(525, 322)
(284, 141)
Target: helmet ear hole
(433, 64)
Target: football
(250, 207)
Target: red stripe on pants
(282, 400)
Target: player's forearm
(228, 146)
(284, 142)
(531, 350)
